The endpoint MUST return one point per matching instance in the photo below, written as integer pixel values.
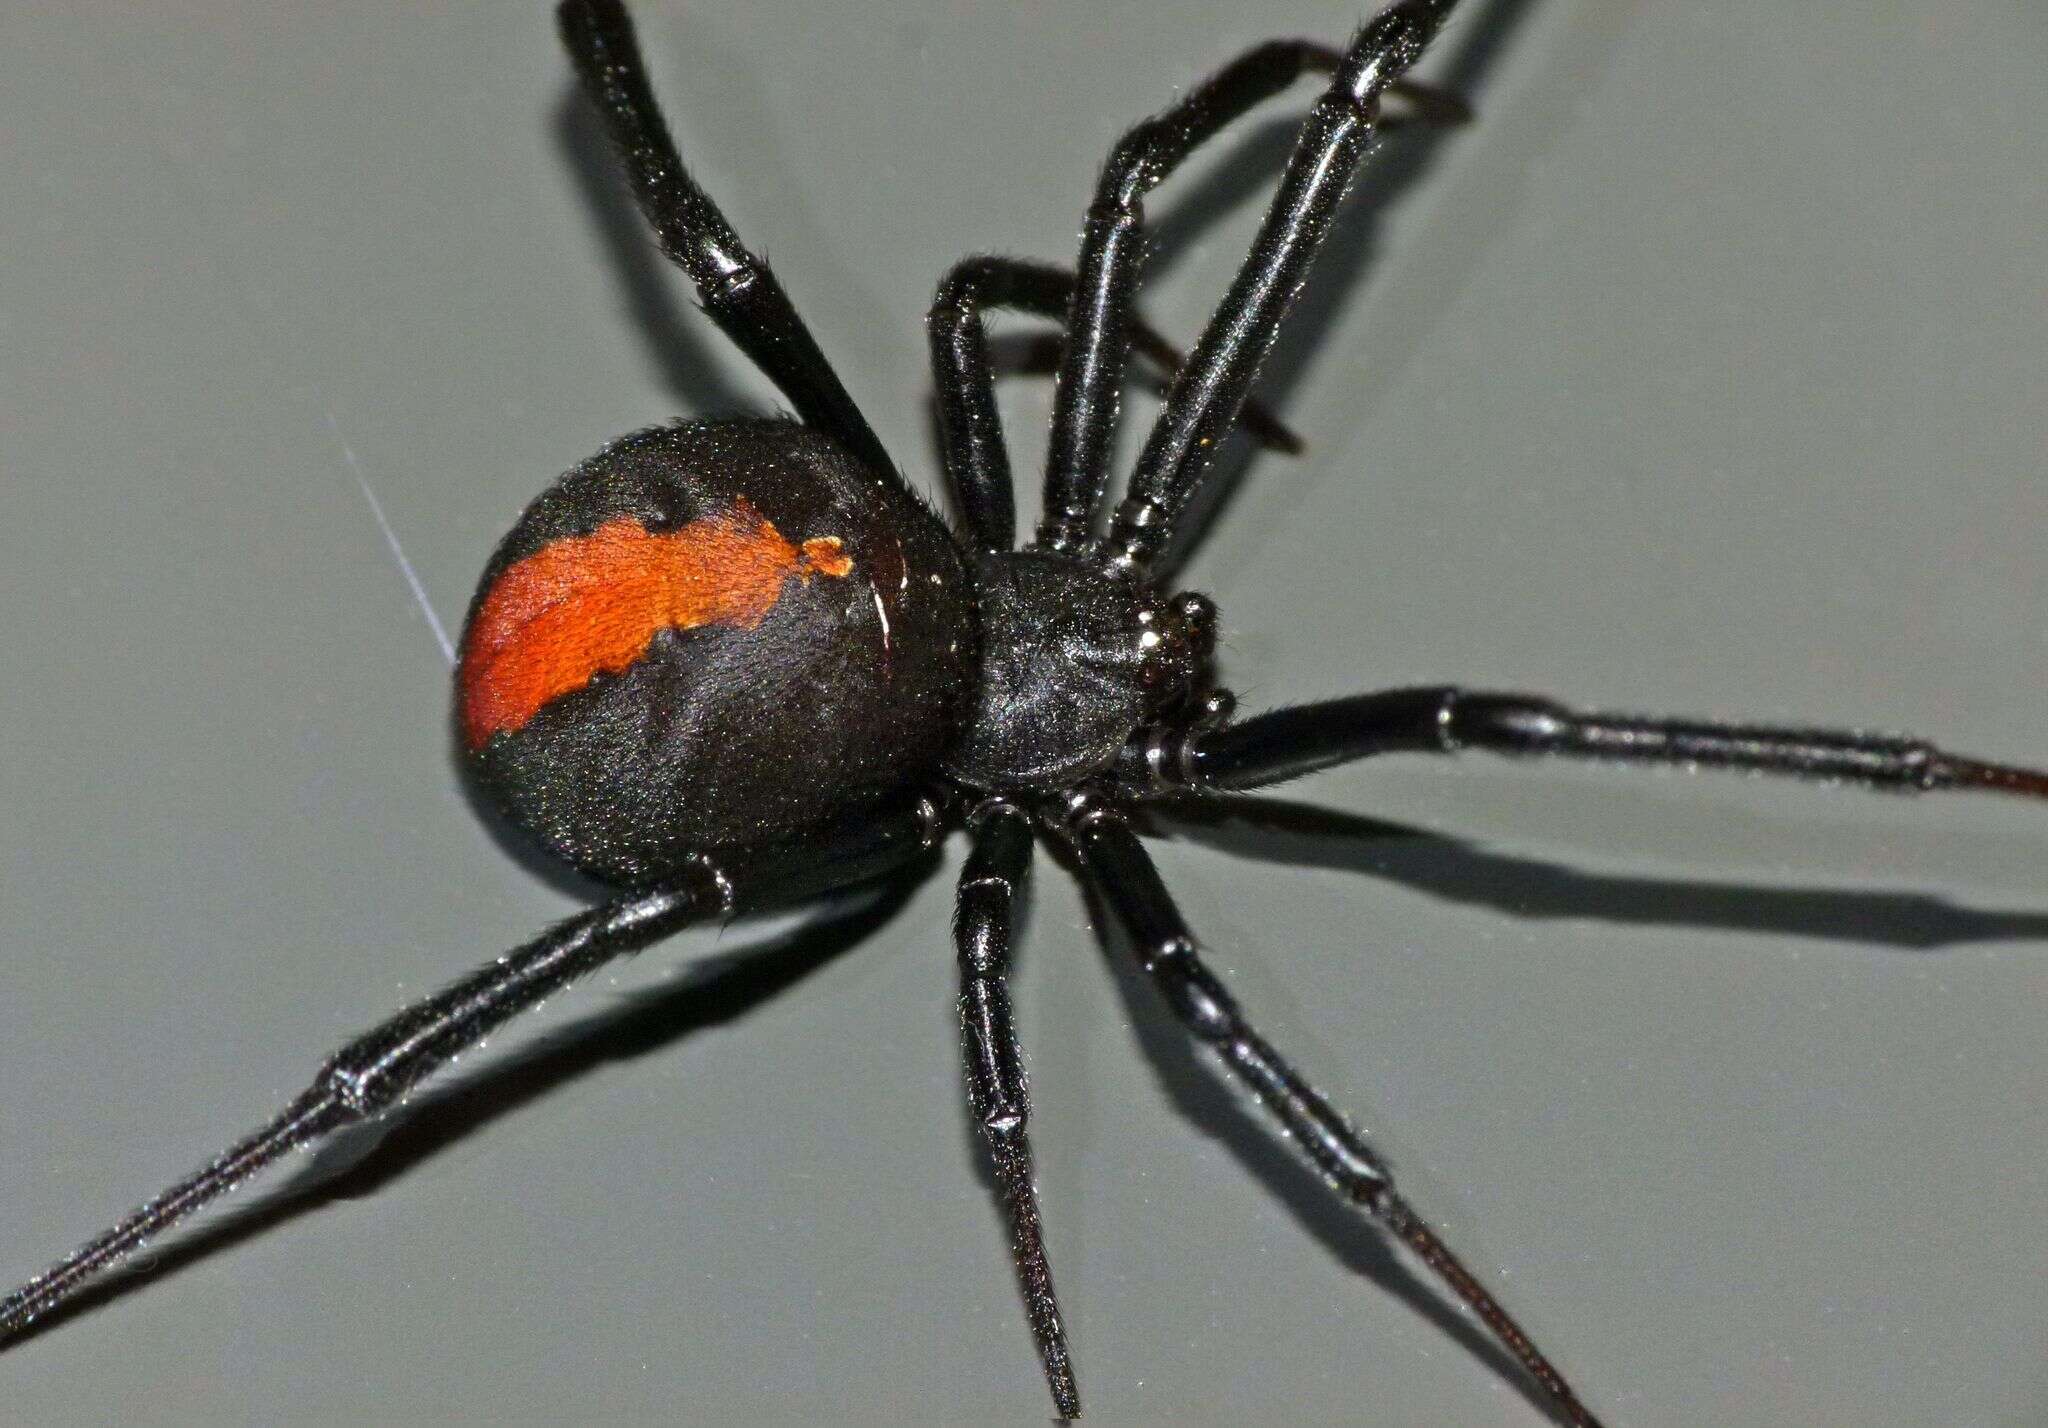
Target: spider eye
(1198, 614)
(1176, 642)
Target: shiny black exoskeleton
(734, 664)
(1076, 658)
(791, 699)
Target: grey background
(1704, 373)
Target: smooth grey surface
(1703, 373)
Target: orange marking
(590, 605)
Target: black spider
(734, 664)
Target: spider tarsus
(1949, 771)
(1012, 1157)
(311, 1116)
(1401, 1220)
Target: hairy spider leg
(375, 1070)
(1100, 322)
(1124, 881)
(738, 291)
(1212, 754)
(1107, 272)
(1287, 743)
(976, 464)
(984, 916)
(1212, 386)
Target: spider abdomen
(709, 636)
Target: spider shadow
(364, 1159)
(1302, 835)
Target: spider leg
(1100, 324)
(970, 430)
(1287, 743)
(982, 922)
(737, 289)
(1117, 870)
(370, 1074)
(1210, 389)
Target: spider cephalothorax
(1076, 658)
(728, 665)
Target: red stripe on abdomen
(589, 605)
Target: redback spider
(820, 567)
